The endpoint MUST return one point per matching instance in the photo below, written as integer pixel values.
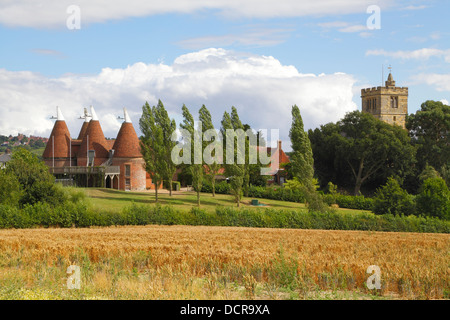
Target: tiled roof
(94, 135)
(83, 130)
(58, 145)
(127, 142)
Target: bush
(354, 202)
(221, 188)
(434, 199)
(80, 215)
(10, 190)
(36, 182)
(276, 193)
(392, 199)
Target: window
(394, 102)
(395, 118)
(127, 184)
(127, 170)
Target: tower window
(127, 170)
(394, 102)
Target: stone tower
(389, 103)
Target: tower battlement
(388, 103)
(384, 89)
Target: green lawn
(114, 200)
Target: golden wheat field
(187, 262)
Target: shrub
(10, 190)
(34, 178)
(354, 202)
(434, 199)
(392, 199)
(13, 217)
(220, 188)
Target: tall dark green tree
(168, 127)
(152, 146)
(361, 148)
(233, 169)
(213, 168)
(429, 129)
(196, 165)
(302, 161)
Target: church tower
(388, 103)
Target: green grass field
(115, 200)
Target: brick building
(92, 160)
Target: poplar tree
(205, 117)
(168, 126)
(152, 146)
(235, 171)
(196, 169)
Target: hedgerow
(81, 215)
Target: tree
(429, 129)
(361, 148)
(327, 166)
(434, 199)
(428, 172)
(302, 161)
(392, 199)
(168, 127)
(189, 137)
(212, 169)
(10, 190)
(36, 182)
(152, 146)
(233, 170)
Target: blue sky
(261, 56)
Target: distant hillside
(33, 143)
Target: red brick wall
(137, 173)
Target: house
(277, 156)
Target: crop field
(187, 262)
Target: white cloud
(421, 7)
(48, 52)
(440, 81)
(420, 54)
(250, 36)
(444, 101)
(354, 28)
(346, 27)
(260, 87)
(52, 13)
